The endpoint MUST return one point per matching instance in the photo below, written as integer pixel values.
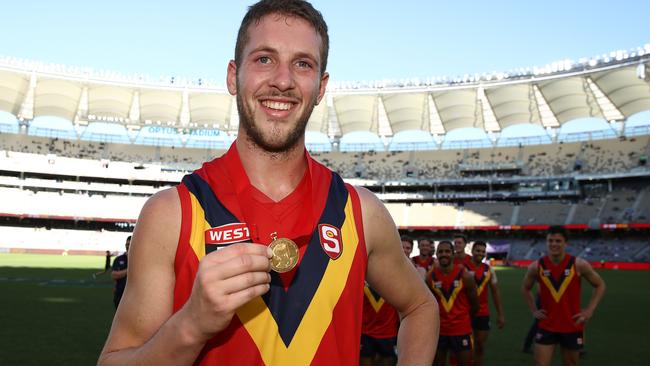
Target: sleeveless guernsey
(380, 319)
(312, 314)
(453, 302)
(482, 276)
(559, 292)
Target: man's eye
(303, 64)
(264, 60)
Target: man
(378, 330)
(460, 243)
(484, 276)
(455, 290)
(561, 320)
(425, 258)
(107, 265)
(407, 246)
(118, 273)
(200, 291)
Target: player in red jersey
(200, 289)
(378, 330)
(561, 319)
(455, 290)
(485, 277)
(460, 243)
(407, 246)
(425, 258)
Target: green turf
(52, 312)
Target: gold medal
(285, 254)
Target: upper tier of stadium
(60, 101)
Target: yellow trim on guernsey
(376, 304)
(557, 295)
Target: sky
(370, 40)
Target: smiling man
(208, 279)
(455, 289)
(561, 320)
(485, 278)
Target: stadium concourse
(81, 151)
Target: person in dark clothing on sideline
(119, 273)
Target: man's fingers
(580, 318)
(245, 281)
(235, 266)
(237, 299)
(236, 250)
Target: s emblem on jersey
(227, 234)
(330, 240)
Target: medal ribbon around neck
(284, 261)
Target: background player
(561, 320)
(378, 330)
(460, 243)
(425, 258)
(455, 290)
(407, 246)
(485, 277)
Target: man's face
(426, 247)
(444, 254)
(407, 246)
(459, 245)
(555, 244)
(478, 253)
(278, 82)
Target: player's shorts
(481, 323)
(371, 346)
(455, 343)
(572, 341)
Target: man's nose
(283, 77)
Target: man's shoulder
(120, 261)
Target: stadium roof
(612, 90)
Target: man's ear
(323, 85)
(231, 78)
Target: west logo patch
(330, 240)
(227, 234)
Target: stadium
(81, 151)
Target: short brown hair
(291, 8)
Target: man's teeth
(276, 105)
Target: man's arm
(116, 271)
(496, 297)
(527, 286)
(396, 280)
(116, 275)
(421, 272)
(585, 270)
(144, 330)
(470, 290)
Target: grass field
(53, 312)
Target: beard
(274, 141)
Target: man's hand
(539, 314)
(501, 321)
(583, 316)
(226, 279)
